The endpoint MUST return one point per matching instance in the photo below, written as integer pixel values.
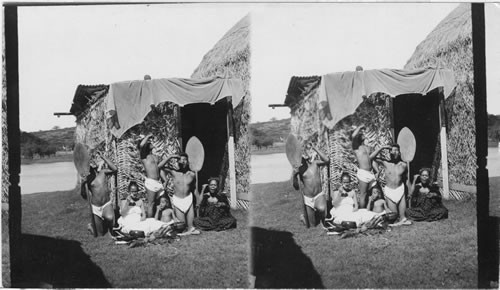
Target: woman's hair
(210, 180)
(422, 171)
(132, 183)
(345, 174)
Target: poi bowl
(349, 225)
(137, 234)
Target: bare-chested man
(184, 184)
(364, 174)
(154, 187)
(394, 189)
(96, 185)
(310, 175)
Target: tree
(56, 128)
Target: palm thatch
(449, 45)
(230, 58)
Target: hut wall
(450, 46)
(461, 130)
(92, 131)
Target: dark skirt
(215, 219)
(427, 209)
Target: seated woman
(214, 209)
(345, 205)
(133, 214)
(425, 200)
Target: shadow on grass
(50, 262)
(278, 262)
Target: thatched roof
(233, 47)
(85, 96)
(456, 26)
(298, 87)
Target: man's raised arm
(356, 131)
(161, 165)
(112, 167)
(145, 140)
(325, 160)
(374, 155)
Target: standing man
(364, 174)
(394, 190)
(154, 187)
(184, 184)
(310, 175)
(96, 185)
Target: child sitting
(164, 212)
(376, 201)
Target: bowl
(349, 225)
(137, 234)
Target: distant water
(493, 162)
(270, 168)
(47, 177)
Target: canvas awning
(341, 93)
(129, 102)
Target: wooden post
(230, 146)
(179, 127)
(390, 108)
(444, 149)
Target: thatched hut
(449, 45)
(202, 106)
(325, 109)
(230, 57)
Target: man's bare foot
(191, 231)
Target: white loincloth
(365, 175)
(310, 201)
(183, 204)
(154, 186)
(98, 210)
(395, 194)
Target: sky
(327, 38)
(492, 42)
(61, 47)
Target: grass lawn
(58, 250)
(440, 254)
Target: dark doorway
(209, 124)
(421, 115)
